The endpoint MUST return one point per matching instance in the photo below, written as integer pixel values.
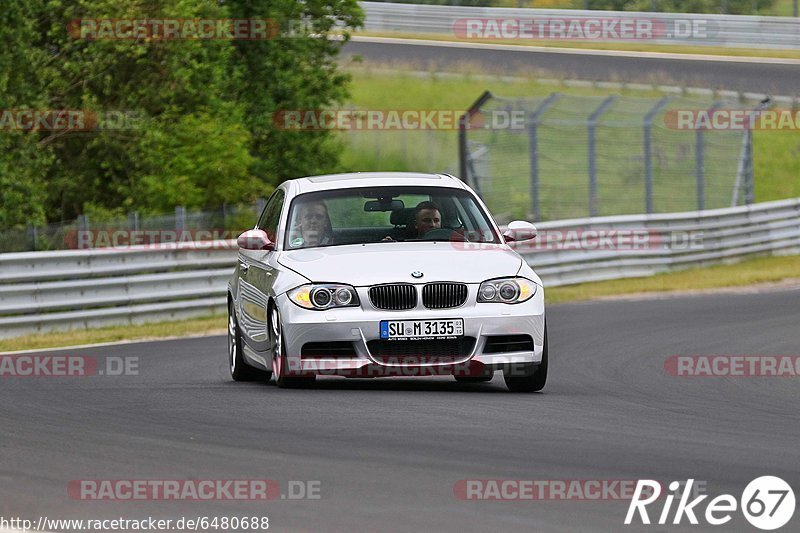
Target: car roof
(374, 179)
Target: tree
(199, 131)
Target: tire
(533, 382)
(240, 370)
(279, 370)
(473, 379)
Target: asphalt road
(753, 76)
(388, 452)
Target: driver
(427, 217)
(313, 226)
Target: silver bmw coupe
(384, 274)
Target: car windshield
(386, 214)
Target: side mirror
(519, 231)
(255, 239)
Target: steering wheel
(442, 234)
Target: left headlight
(320, 296)
(506, 290)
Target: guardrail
(668, 28)
(41, 291)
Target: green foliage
(198, 131)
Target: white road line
(576, 51)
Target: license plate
(422, 329)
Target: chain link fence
(577, 156)
(182, 224)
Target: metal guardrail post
(648, 153)
(533, 143)
(592, 127)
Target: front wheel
(279, 366)
(240, 371)
(535, 377)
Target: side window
(271, 216)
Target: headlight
(324, 296)
(506, 290)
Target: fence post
(133, 221)
(463, 150)
(180, 217)
(533, 143)
(33, 237)
(749, 178)
(699, 162)
(648, 153)
(592, 127)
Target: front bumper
(360, 325)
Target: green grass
(195, 326)
(620, 164)
(748, 272)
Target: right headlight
(506, 290)
(324, 296)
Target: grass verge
(182, 328)
(749, 272)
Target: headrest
(401, 217)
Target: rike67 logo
(767, 502)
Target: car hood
(376, 263)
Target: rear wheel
(240, 370)
(533, 378)
(279, 367)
